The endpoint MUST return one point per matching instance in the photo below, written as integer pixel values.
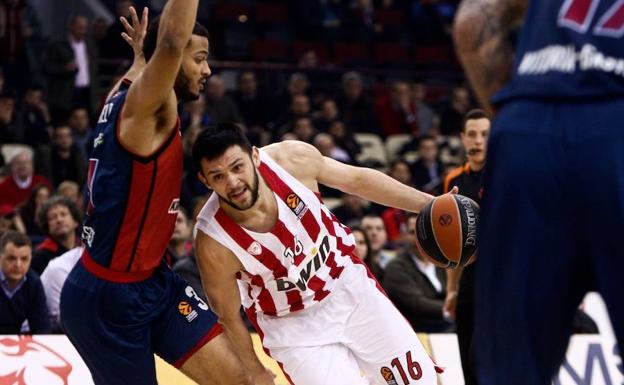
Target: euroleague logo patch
(295, 204)
(187, 311)
(387, 374)
(445, 220)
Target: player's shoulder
(285, 151)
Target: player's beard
(182, 88)
(254, 194)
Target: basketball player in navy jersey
(554, 183)
(264, 238)
(122, 303)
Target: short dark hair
(16, 238)
(57, 200)
(215, 139)
(474, 114)
(151, 36)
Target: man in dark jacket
(417, 287)
(21, 293)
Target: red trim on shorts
(112, 275)
(253, 318)
(212, 333)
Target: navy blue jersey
(132, 201)
(569, 49)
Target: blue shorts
(117, 327)
(552, 222)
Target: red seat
(433, 54)
(390, 17)
(228, 12)
(271, 13)
(347, 53)
(270, 50)
(390, 53)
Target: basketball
(446, 230)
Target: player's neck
(261, 217)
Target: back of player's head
(151, 37)
(474, 114)
(216, 139)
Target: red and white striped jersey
(299, 261)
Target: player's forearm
(380, 188)
(238, 334)
(482, 39)
(176, 24)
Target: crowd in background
(51, 88)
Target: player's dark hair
(474, 114)
(151, 36)
(215, 139)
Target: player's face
(234, 177)
(475, 138)
(194, 70)
(15, 261)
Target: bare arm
(217, 267)
(307, 164)
(152, 92)
(134, 36)
(452, 287)
(481, 34)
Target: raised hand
(135, 33)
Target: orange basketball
(446, 230)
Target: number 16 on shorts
(402, 367)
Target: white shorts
(354, 337)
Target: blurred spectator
(181, 242)
(303, 129)
(187, 269)
(397, 114)
(327, 115)
(82, 132)
(35, 117)
(299, 108)
(8, 220)
(62, 160)
(394, 218)
(425, 116)
(219, 106)
(20, 29)
(375, 229)
(428, 170)
(452, 117)
(70, 65)
(351, 210)
(344, 138)
(319, 19)
(53, 278)
(297, 85)
(325, 144)
(112, 46)
(22, 297)
(70, 190)
(29, 211)
(308, 60)
(194, 114)
(417, 287)
(356, 109)
(59, 218)
(254, 106)
(10, 128)
(16, 188)
(360, 23)
(362, 245)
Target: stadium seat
(433, 54)
(271, 13)
(299, 47)
(373, 151)
(270, 50)
(346, 53)
(228, 12)
(391, 53)
(394, 144)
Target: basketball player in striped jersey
(264, 238)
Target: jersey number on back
(578, 15)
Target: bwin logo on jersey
(310, 269)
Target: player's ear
(255, 156)
(202, 179)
